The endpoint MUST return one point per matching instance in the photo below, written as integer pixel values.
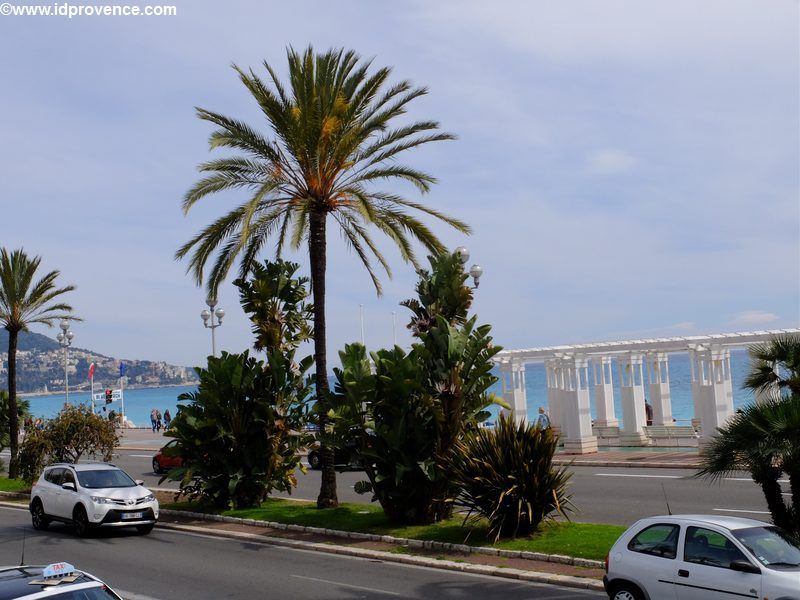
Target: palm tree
(775, 364)
(332, 137)
(24, 303)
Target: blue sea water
(139, 402)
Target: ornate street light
(208, 316)
(65, 341)
(475, 271)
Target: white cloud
(610, 161)
(754, 317)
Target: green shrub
(74, 433)
(507, 476)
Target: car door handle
(683, 572)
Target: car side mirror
(68, 486)
(139, 482)
(744, 566)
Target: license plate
(128, 516)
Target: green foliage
(409, 413)
(333, 134)
(506, 475)
(775, 365)
(23, 413)
(275, 302)
(441, 292)
(24, 303)
(240, 432)
(763, 439)
(74, 433)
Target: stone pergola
(570, 370)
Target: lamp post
(208, 315)
(475, 271)
(65, 341)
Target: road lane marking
(140, 455)
(355, 587)
(736, 510)
(751, 480)
(643, 476)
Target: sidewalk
(144, 439)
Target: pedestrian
(648, 411)
(167, 419)
(153, 419)
(543, 422)
(158, 420)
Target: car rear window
(657, 540)
(105, 478)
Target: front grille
(115, 516)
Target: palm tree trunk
(13, 417)
(771, 489)
(317, 245)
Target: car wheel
(144, 529)
(38, 518)
(156, 466)
(81, 521)
(314, 460)
(626, 591)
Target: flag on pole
(91, 371)
(122, 368)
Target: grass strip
(583, 540)
(14, 485)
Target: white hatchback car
(703, 557)
(89, 495)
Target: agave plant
(507, 476)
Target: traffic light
(109, 398)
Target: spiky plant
(24, 302)
(333, 135)
(506, 475)
(775, 364)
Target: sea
(139, 402)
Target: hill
(29, 342)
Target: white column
(604, 392)
(696, 371)
(632, 395)
(513, 376)
(716, 400)
(658, 375)
(578, 438)
(553, 392)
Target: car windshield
(95, 593)
(105, 478)
(772, 546)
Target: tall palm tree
(332, 136)
(24, 303)
(775, 364)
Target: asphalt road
(171, 565)
(602, 495)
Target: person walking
(158, 420)
(153, 419)
(648, 412)
(167, 419)
(543, 422)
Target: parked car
(703, 557)
(167, 458)
(90, 495)
(58, 580)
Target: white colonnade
(642, 371)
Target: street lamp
(65, 341)
(475, 271)
(208, 315)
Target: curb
(562, 462)
(419, 561)
(508, 573)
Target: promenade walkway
(678, 458)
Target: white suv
(703, 557)
(90, 495)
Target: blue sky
(629, 168)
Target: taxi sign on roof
(59, 569)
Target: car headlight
(101, 500)
(149, 498)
